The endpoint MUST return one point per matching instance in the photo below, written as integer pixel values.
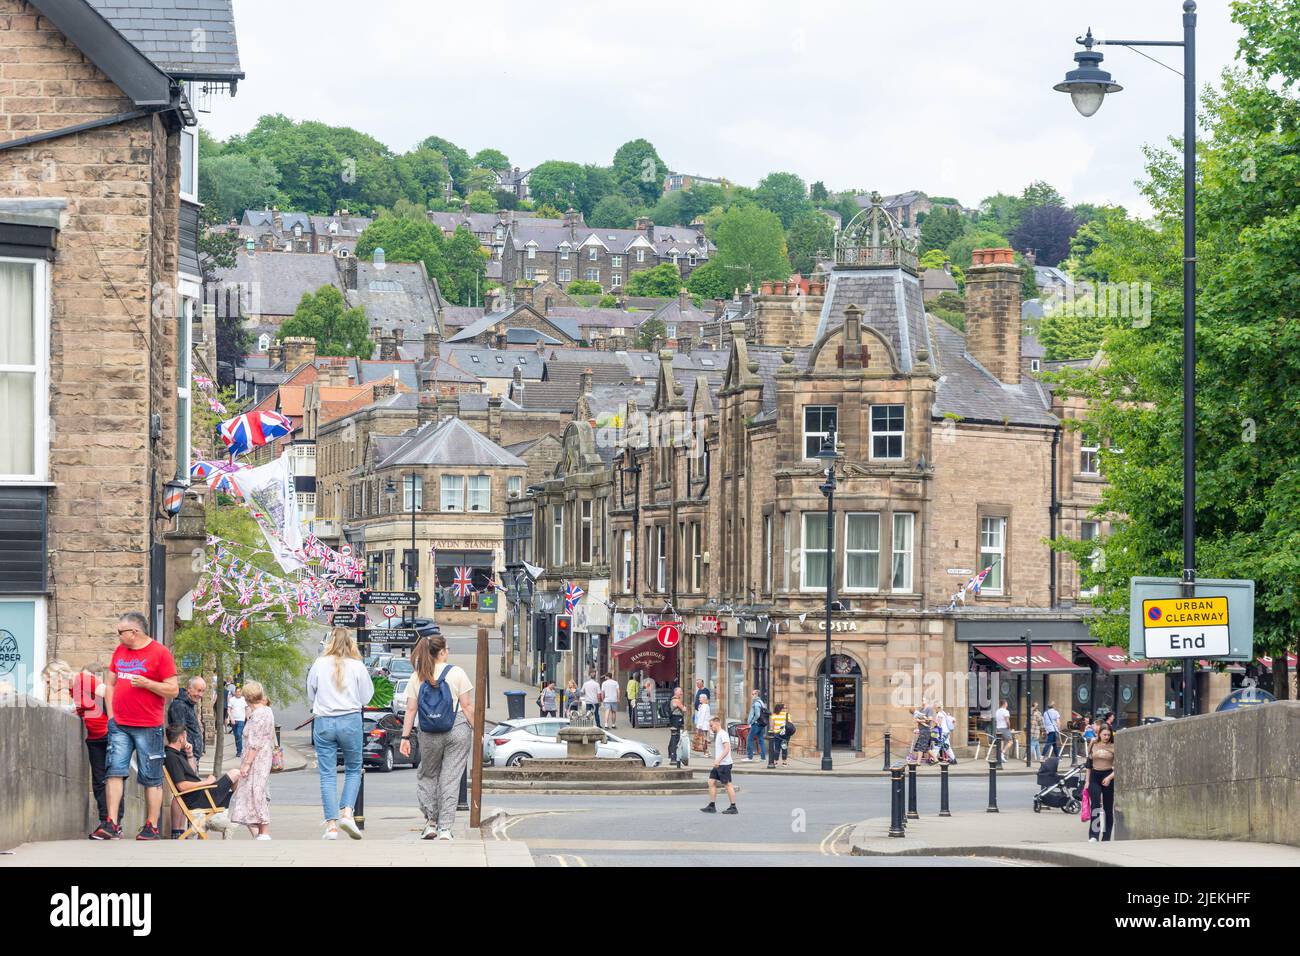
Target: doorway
(846, 703)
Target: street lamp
(827, 456)
(1087, 86)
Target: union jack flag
(572, 595)
(245, 432)
(462, 582)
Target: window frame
(910, 551)
(485, 490)
(1092, 592)
(40, 372)
(1003, 589)
(820, 517)
(445, 482)
(864, 552)
(821, 435)
(1090, 454)
(888, 433)
(586, 537)
(412, 490)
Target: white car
(510, 743)
(399, 695)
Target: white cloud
(952, 98)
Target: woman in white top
(338, 687)
(443, 756)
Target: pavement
(1055, 838)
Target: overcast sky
(954, 98)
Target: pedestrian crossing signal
(563, 632)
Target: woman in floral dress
(251, 803)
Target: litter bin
(515, 703)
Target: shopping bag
(1086, 813)
(683, 751)
(699, 741)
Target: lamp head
(1088, 83)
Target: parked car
(399, 697)
(400, 667)
(514, 741)
(382, 740)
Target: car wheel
(517, 760)
(386, 764)
(635, 760)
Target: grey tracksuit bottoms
(443, 757)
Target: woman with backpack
(338, 688)
(441, 696)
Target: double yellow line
(828, 844)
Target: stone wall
(1225, 776)
(45, 776)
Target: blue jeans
(329, 735)
(1035, 749)
(1052, 748)
(147, 745)
(755, 736)
(239, 737)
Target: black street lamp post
(1088, 86)
(827, 454)
(1029, 691)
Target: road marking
(503, 833)
(827, 846)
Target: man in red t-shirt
(141, 679)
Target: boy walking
(721, 772)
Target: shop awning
(1011, 658)
(643, 652)
(1112, 660)
(1290, 662)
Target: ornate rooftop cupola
(874, 239)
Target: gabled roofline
(121, 61)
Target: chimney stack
(298, 350)
(349, 273)
(494, 418)
(344, 216)
(275, 355)
(645, 224)
(427, 410)
(993, 313)
(385, 388)
(430, 344)
(683, 299)
(387, 348)
(338, 375)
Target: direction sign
(1186, 627)
(348, 619)
(390, 610)
(670, 633)
(1218, 623)
(400, 598)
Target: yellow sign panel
(1185, 612)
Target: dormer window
(532, 251)
(1034, 365)
(501, 233)
(593, 253)
(297, 231)
(640, 255)
(564, 251)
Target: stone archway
(847, 702)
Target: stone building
(946, 456)
(100, 280)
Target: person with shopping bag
(703, 714)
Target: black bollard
(911, 793)
(359, 811)
(993, 788)
(943, 791)
(896, 802)
(462, 802)
(886, 766)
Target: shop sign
(838, 626)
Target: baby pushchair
(1062, 792)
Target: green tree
(323, 315)
(960, 249)
(612, 212)
(663, 280)
(583, 287)
(751, 246)
(709, 281)
(784, 194)
(1046, 229)
(817, 192)
(547, 211)
(466, 268)
(490, 159)
(458, 161)
(648, 331)
(406, 240)
(941, 228)
(424, 175)
(1248, 364)
(558, 184)
(231, 183)
(639, 171)
(479, 180)
(481, 201)
(811, 237)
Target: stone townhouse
(948, 452)
(99, 276)
(537, 253)
(276, 230)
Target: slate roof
(450, 442)
(478, 402)
(968, 389)
(482, 361)
(769, 361)
(530, 337)
(891, 304)
(475, 222)
(444, 371)
(271, 283)
(596, 318)
(459, 316)
(164, 31)
(353, 227)
(378, 371)
(399, 294)
(548, 234)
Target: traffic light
(563, 632)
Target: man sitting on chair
(178, 760)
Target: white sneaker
(331, 833)
(349, 826)
(430, 831)
(444, 835)
(262, 836)
(1092, 839)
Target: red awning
(643, 652)
(1112, 660)
(1011, 657)
(1290, 662)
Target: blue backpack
(437, 705)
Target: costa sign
(670, 633)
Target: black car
(381, 742)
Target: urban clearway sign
(1218, 623)
(1186, 627)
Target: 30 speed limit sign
(390, 610)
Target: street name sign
(350, 618)
(400, 598)
(1218, 623)
(389, 635)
